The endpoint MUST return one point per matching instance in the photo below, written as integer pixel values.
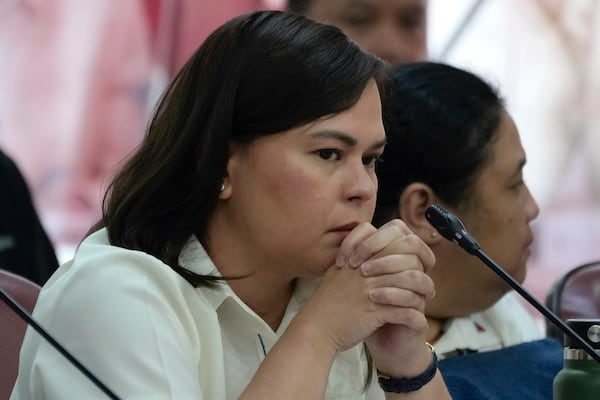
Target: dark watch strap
(406, 385)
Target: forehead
(500, 171)
(506, 155)
(359, 126)
(362, 121)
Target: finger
(412, 280)
(392, 240)
(390, 264)
(398, 297)
(399, 224)
(409, 317)
(377, 241)
(354, 239)
(409, 244)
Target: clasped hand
(376, 292)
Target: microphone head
(440, 219)
(450, 227)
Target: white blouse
(504, 324)
(146, 333)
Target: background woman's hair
(259, 74)
(440, 121)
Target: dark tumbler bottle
(580, 377)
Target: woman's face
(497, 214)
(291, 198)
(395, 30)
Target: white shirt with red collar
(504, 324)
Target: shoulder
(513, 323)
(116, 307)
(99, 265)
(105, 281)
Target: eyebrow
(346, 139)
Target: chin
(521, 274)
(321, 268)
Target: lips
(345, 228)
(527, 248)
(529, 241)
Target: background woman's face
(291, 192)
(395, 30)
(497, 215)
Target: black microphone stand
(539, 306)
(27, 318)
(450, 227)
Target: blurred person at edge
(25, 248)
(67, 121)
(452, 142)
(395, 30)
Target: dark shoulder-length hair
(440, 122)
(258, 74)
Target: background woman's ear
(412, 205)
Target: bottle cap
(588, 329)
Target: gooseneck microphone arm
(27, 318)
(450, 227)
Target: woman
(452, 142)
(25, 248)
(202, 280)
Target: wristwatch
(406, 385)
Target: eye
(411, 21)
(358, 20)
(372, 160)
(329, 154)
(518, 184)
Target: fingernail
(340, 261)
(366, 267)
(355, 260)
(373, 295)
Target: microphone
(450, 227)
(29, 320)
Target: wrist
(305, 331)
(409, 384)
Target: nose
(361, 183)
(532, 209)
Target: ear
(230, 171)
(412, 205)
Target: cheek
(292, 182)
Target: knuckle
(416, 319)
(413, 240)
(413, 275)
(414, 300)
(398, 223)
